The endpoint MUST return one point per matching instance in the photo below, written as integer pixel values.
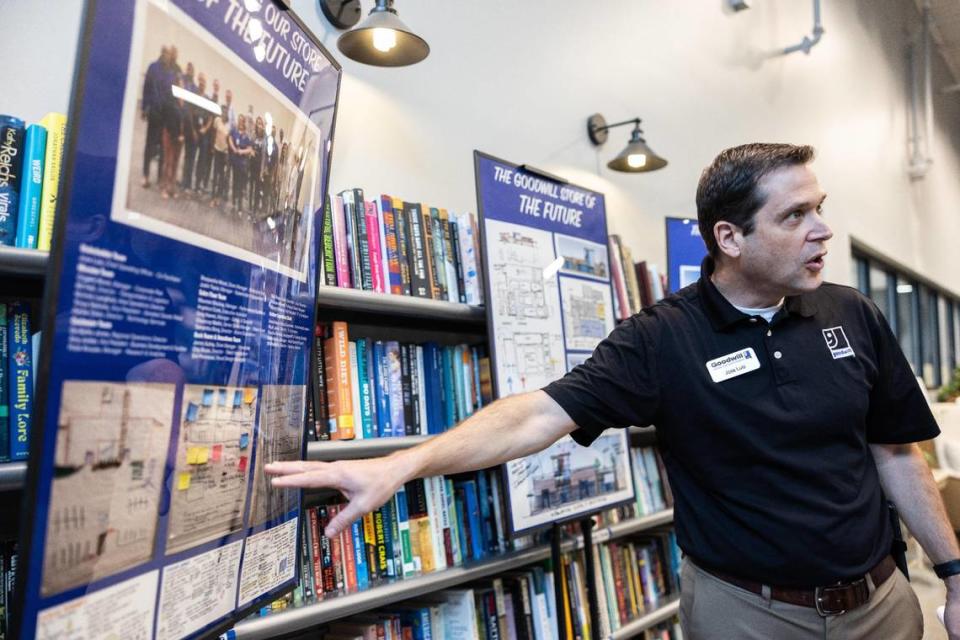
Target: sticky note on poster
(244, 440)
(249, 395)
(242, 463)
(183, 481)
(217, 452)
(193, 455)
(203, 455)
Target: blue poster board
(179, 308)
(685, 252)
(549, 303)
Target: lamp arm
(616, 124)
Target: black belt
(829, 600)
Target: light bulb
(384, 39)
(636, 160)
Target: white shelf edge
(647, 620)
(13, 475)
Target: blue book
(11, 162)
(360, 555)
(387, 511)
(31, 186)
(381, 390)
(486, 520)
(460, 508)
(476, 378)
(21, 374)
(449, 398)
(395, 388)
(367, 417)
(475, 524)
(430, 387)
(4, 388)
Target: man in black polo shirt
(785, 411)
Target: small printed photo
(112, 441)
(210, 153)
(582, 257)
(214, 450)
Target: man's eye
(795, 215)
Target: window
(907, 321)
(924, 317)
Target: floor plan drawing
(279, 438)
(214, 450)
(587, 312)
(525, 301)
(112, 439)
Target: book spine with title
(56, 126)
(11, 161)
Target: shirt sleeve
(899, 412)
(617, 386)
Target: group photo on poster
(211, 150)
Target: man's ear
(729, 238)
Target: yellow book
(56, 126)
(567, 617)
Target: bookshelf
(13, 475)
(371, 303)
(23, 263)
(342, 605)
(329, 450)
(667, 609)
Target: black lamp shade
(383, 40)
(637, 157)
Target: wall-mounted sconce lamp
(636, 157)
(382, 39)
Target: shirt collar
(723, 315)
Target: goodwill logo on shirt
(837, 343)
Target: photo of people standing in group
(217, 156)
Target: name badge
(733, 365)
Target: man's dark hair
(729, 190)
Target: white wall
(518, 80)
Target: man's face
(201, 83)
(229, 96)
(784, 254)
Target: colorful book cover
(316, 565)
(391, 253)
(420, 547)
(420, 282)
(457, 261)
(319, 383)
(404, 248)
(340, 254)
(326, 551)
(361, 568)
(358, 432)
(395, 386)
(31, 187)
(370, 545)
(337, 552)
(410, 427)
(373, 242)
(380, 543)
(384, 267)
(389, 555)
(403, 528)
(56, 126)
(423, 427)
(367, 410)
(456, 555)
(336, 348)
(416, 398)
(4, 387)
(11, 163)
(381, 389)
(434, 242)
(472, 508)
(435, 504)
(306, 566)
(353, 248)
(21, 374)
(326, 236)
(453, 291)
(362, 240)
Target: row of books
(8, 577)
(364, 388)
(30, 161)
(634, 576)
(635, 284)
(405, 248)
(18, 350)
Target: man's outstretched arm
(509, 428)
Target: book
(400, 508)
(319, 388)
(394, 372)
(353, 245)
(621, 307)
(390, 247)
(327, 240)
(421, 538)
(363, 240)
(420, 278)
(449, 258)
(435, 259)
(56, 126)
(404, 246)
(633, 286)
(340, 253)
(339, 383)
(370, 545)
(4, 387)
(381, 389)
(367, 408)
(31, 187)
(409, 427)
(326, 551)
(382, 266)
(361, 566)
(458, 261)
(316, 565)
(11, 162)
(356, 402)
(20, 370)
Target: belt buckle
(819, 591)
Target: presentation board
(549, 303)
(685, 252)
(178, 317)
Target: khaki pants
(711, 609)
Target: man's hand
(367, 484)
(951, 615)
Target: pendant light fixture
(382, 39)
(636, 157)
